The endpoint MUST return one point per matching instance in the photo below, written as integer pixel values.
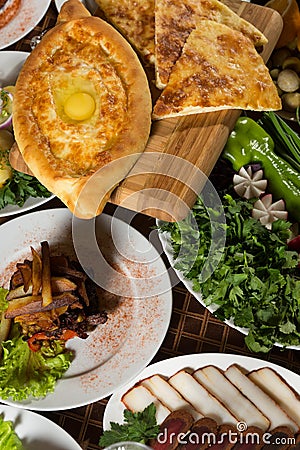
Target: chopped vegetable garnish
(6, 99)
(248, 183)
(267, 212)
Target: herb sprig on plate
(137, 427)
(19, 188)
(256, 283)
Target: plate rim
(167, 298)
(40, 201)
(31, 415)
(27, 29)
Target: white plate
(164, 239)
(10, 65)
(89, 4)
(117, 351)
(114, 409)
(36, 432)
(28, 16)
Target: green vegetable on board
(250, 143)
(255, 284)
(286, 140)
(137, 427)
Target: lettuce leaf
(25, 373)
(8, 437)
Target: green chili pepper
(248, 143)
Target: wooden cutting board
(166, 179)
(181, 152)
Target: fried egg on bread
(82, 110)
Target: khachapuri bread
(82, 112)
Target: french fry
(46, 274)
(26, 272)
(36, 272)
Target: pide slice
(219, 68)
(135, 20)
(174, 21)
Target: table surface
(192, 329)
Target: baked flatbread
(72, 9)
(94, 143)
(219, 68)
(135, 20)
(174, 20)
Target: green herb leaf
(19, 188)
(138, 427)
(256, 283)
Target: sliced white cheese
(270, 382)
(242, 408)
(138, 398)
(168, 395)
(276, 415)
(200, 398)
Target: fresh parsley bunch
(19, 188)
(137, 427)
(256, 282)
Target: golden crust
(72, 9)
(219, 68)
(135, 20)
(175, 20)
(95, 154)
